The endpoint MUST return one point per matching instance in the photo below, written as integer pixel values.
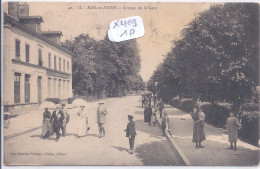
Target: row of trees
(217, 57)
(104, 68)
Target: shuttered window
(17, 49)
(17, 87)
(27, 88)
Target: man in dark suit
(131, 133)
(57, 118)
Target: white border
(96, 167)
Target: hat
(82, 106)
(101, 103)
(63, 104)
(130, 117)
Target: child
(154, 118)
(232, 126)
(130, 132)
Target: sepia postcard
(130, 83)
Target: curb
(175, 147)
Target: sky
(163, 22)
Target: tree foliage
(217, 56)
(101, 68)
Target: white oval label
(126, 29)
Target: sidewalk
(215, 152)
(32, 120)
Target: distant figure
(131, 133)
(148, 113)
(143, 100)
(232, 126)
(198, 127)
(153, 119)
(165, 122)
(83, 122)
(154, 100)
(160, 107)
(57, 118)
(101, 119)
(66, 119)
(46, 124)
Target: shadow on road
(37, 135)
(139, 112)
(120, 148)
(156, 154)
(142, 126)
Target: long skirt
(82, 127)
(46, 128)
(198, 132)
(232, 136)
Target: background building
(36, 67)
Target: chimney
(13, 9)
(24, 9)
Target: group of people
(59, 118)
(232, 125)
(147, 98)
(53, 122)
(150, 115)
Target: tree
(101, 68)
(217, 56)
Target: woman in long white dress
(83, 122)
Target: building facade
(35, 66)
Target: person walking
(46, 124)
(148, 113)
(130, 132)
(57, 118)
(154, 119)
(232, 125)
(101, 119)
(160, 107)
(66, 119)
(165, 122)
(198, 127)
(82, 127)
(143, 100)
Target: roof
(32, 32)
(59, 33)
(39, 18)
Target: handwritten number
(125, 32)
(134, 22)
(132, 31)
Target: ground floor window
(54, 87)
(27, 88)
(17, 87)
(39, 84)
(49, 88)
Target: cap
(82, 106)
(100, 103)
(130, 116)
(63, 104)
